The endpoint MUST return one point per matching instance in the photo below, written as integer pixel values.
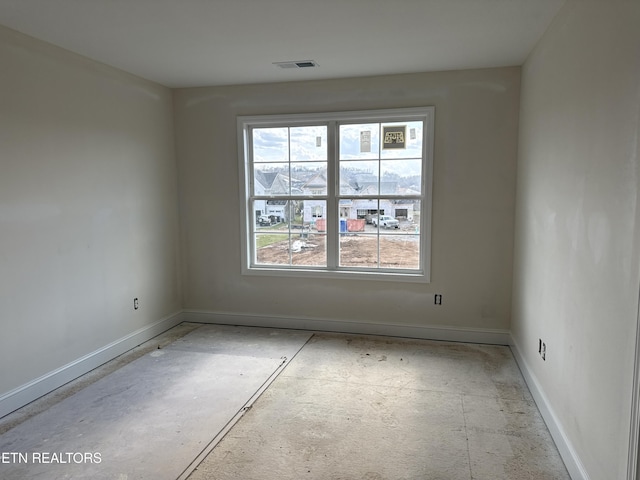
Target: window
(344, 194)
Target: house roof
(266, 179)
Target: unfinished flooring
(355, 407)
(152, 417)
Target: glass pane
(399, 215)
(407, 212)
(270, 144)
(360, 141)
(399, 227)
(309, 178)
(393, 251)
(278, 211)
(291, 238)
(292, 215)
(314, 214)
(401, 140)
(308, 248)
(400, 251)
(358, 250)
(359, 178)
(271, 215)
(272, 248)
(262, 219)
(358, 239)
(302, 248)
(271, 179)
(308, 143)
(401, 177)
(379, 233)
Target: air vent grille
(297, 64)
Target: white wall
(473, 203)
(88, 211)
(88, 207)
(576, 276)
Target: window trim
(245, 123)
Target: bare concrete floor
(375, 408)
(372, 408)
(151, 417)
(47, 401)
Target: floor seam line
(466, 434)
(204, 453)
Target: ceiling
(187, 43)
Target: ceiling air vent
(297, 64)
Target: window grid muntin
(333, 197)
(377, 157)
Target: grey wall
(576, 277)
(476, 124)
(88, 207)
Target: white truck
(385, 221)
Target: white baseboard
(33, 390)
(451, 334)
(567, 452)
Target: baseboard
(451, 334)
(33, 390)
(567, 452)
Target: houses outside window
(344, 194)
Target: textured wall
(476, 124)
(576, 274)
(88, 207)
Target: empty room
(320, 239)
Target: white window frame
(332, 120)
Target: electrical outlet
(542, 349)
(136, 305)
(438, 299)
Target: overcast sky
(310, 143)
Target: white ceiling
(186, 43)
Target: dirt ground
(356, 250)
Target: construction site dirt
(393, 251)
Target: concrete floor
(362, 407)
(150, 418)
(374, 408)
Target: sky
(358, 143)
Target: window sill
(367, 275)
